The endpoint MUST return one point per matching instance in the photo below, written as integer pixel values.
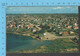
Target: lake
(18, 42)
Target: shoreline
(34, 37)
(49, 36)
(50, 48)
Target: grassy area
(62, 46)
(58, 46)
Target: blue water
(18, 42)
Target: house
(34, 30)
(76, 27)
(55, 29)
(49, 25)
(69, 26)
(38, 22)
(22, 25)
(44, 33)
(60, 32)
(63, 32)
(14, 25)
(24, 15)
(11, 25)
(30, 26)
(19, 26)
(71, 32)
(76, 24)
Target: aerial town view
(42, 30)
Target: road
(50, 36)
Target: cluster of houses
(60, 24)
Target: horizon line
(42, 13)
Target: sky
(41, 10)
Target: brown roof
(48, 25)
(30, 25)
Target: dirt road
(50, 36)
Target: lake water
(18, 42)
